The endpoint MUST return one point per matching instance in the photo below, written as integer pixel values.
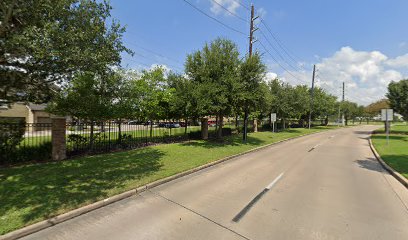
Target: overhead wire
(215, 19)
(230, 12)
(277, 62)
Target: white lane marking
(332, 136)
(316, 146)
(274, 181)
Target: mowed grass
(32, 193)
(395, 153)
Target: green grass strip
(395, 154)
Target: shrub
(11, 134)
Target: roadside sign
(273, 117)
(387, 115)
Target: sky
(363, 43)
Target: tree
(324, 105)
(350, 110)
(375, 108)
(398, 96)
(157, 94)
(251, 91)
(214, 72)
(87, 97)
(48, 42)
(183, 103)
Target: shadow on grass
(227, 141)
(48, 188)
(392, 137)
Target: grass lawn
(32, 193)
(396, 153)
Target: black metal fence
(29, 142)
(24, 142)
(87, 138)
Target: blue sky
(361, 42)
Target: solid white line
(274, 181)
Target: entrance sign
(387, 115)
(273, 119)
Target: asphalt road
(323, 186)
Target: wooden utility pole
(251, 41)
(311, 96)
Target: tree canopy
(45, 43)
(398, 97)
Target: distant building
(30, 113)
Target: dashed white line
(274, 181)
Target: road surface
(323, 186)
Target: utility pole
(251, 41)
(311, 96)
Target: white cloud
(400, 61)
(270, 76)
(366, 74)
(402, 44)
(231, 5)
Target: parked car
(172, 125)
(133, 123)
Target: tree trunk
(220, 122)
(91, 136)
(245, 132)
(236, 121)
(151, 129)
(270, 120)
(204, 128)
(120, 131)
(283, 123)
(186, 126)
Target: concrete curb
(82, 210)
(394, 173)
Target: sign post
(273, 119)
(387, 115)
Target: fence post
(59, 148)
(204, 128)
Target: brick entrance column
(59, 148)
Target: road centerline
(245, 210)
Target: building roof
(36, 107)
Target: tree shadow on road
(371, 164)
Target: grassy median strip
(32, 193)
(395, 154)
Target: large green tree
(398, 96)
(251, 91)
(214, 72)
(44, 43)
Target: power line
(279, 54)
(213, 18)
(242, 5)
(154, 52)
(230, 12)
(290, 73)
(279, 42)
